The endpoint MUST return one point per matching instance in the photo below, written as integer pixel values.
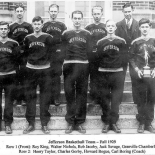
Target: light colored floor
(62, 132)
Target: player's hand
(139, 72)
(153, 73)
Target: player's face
(77, 20)
(110, 27)
(53, 12)
(128, 12)
(4, 31)
(37, 26)
(145, 29)
(97, 14)
(19, 13)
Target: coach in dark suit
(128, 29)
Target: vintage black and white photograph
(77, 77)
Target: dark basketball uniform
(98, 32)
(38, 54)
(55, 28)
(145, 86)
(111, 80)
(76, 71)
(18, 33)
(9, 52)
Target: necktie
(128, 24)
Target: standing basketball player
(111, 54)
(38, 47)
(9, 52)
(142, 55)
(75, 71)
(98, 31)
(55, 28)
(18, 30)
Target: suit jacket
(121, 31)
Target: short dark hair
(37, 18)
(54, 5)
(97, 7)
(126, 5)
(77, 12)
(19, 5)
(144, 21)
(4, 23)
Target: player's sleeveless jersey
(54, 28)
(77, 44)
(140, 50)
(111, 52)
(97, 31)
(19, 31)
(38, 49)
(9, 52)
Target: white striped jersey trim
(76, 61)
(28, 65)
(7, 73)
(110, 69)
